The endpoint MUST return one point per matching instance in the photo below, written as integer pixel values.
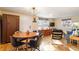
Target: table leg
(26, 44)
(77, 43)
(70, 41)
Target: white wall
(25, 20)
(58, 22)
(25, 23)
(75, 19)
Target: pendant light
(34, 15)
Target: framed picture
(67, 22)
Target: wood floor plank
(46, 41)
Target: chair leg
(17, 49)
(23, 47)
(38, 49)
(33, 49)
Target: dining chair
(34, 44)
(38, 42)
(16, 44)
(20, 39)
(74, 42)
(34, 31)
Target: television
(51, 24)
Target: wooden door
(11, 25)
(0, 29)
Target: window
(43, 23)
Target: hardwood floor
(47, 44)
(5, 47)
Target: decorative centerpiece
(28, 32)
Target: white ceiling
(49, 12)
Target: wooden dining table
(74, 38)
(25, 35)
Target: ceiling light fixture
(34, 14)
